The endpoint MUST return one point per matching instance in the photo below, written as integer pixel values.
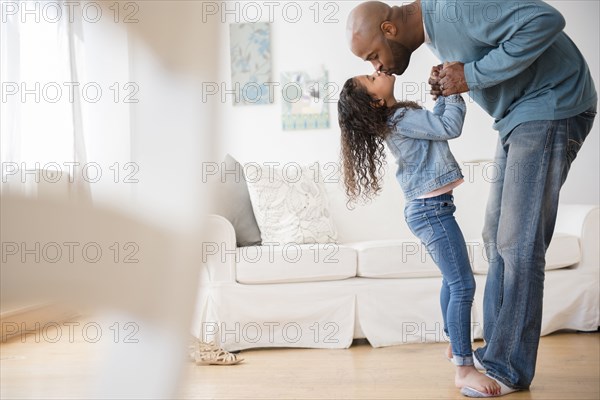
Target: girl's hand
(434, 81)
(452, 79)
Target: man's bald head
(365, 20)
(382, 34)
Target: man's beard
(401, 56)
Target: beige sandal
(210, 354)
(217, 356)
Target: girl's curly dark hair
(364, 123)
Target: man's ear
(389, 29)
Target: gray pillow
(234, 203)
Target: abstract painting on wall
(251, 62)
(305, 97)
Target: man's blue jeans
(534, 161)
(432, 221)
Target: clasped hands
(446, 79)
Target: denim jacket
(419, 142)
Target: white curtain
(37, 131)
(63, 102)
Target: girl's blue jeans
(432, 221)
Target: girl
(427, 172)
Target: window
(37, 101)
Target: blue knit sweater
(519, 64)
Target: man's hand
(452, 79)
(434, 81)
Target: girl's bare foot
(449, 352)
(468, 376)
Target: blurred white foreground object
(137, 278)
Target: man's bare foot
(468, 376)
(449, 352)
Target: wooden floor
(568, 368)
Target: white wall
(253, 133)
(105, 61)
(172, 129)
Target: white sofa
(378, 282)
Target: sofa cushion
(564, 251)
(290, 204)
(295, 263)
(234, 203)
(394, 259)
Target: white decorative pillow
(290, 204)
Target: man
(517, 63)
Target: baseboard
(31, 319)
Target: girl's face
(380, 86)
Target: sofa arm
(582, 221)
(219, 249)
